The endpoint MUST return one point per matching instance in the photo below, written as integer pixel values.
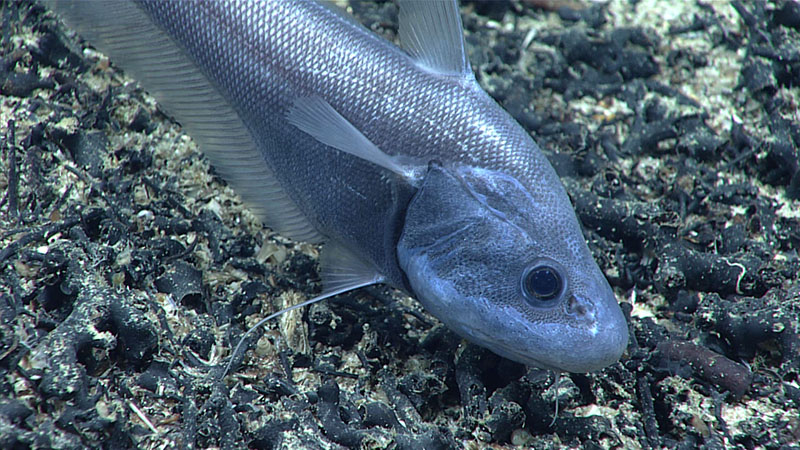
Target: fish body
(395, 158)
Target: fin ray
(342, 272)
(431, 31)
(316, 117)
(128, 36)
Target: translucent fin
(341, 269)
(316, 117)
(341, 272)
(557, 376)
(127, 35)
(431, 32)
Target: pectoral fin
(316, 117)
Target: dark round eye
(542, 283)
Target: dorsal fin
(431, 31)
(127, 35)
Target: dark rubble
(128, 269)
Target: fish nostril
(575, 306)
(580, 308)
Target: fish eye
(542, 282)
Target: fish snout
(602, 334)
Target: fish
(391, 156)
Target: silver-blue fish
(395, 158)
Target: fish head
(509, 269)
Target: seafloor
(128, 269)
